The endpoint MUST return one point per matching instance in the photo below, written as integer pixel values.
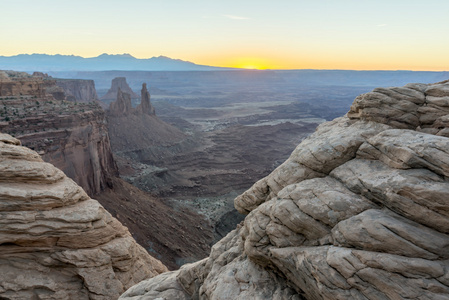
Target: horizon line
(223, 68)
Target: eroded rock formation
(122, 105)
(145, 106)
(137, 133)
(360, 210)
(56, 242)
(74, 137)
(21, 84)
(71, 136)
(78, 90)
(42, 86)
(116, 84)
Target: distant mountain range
(119, 62)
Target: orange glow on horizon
(335, 35)
(374, 60)
(325, 63)
(250, 67)
(250, 63)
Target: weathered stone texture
(56, 242)
(359, 211)
(72, 136)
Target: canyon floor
(358, 211)
(380, 167)
(214, 135)
(235, 133)
(238, 128)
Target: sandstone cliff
(360, 210)
(40, 85)
(78, 90)
(56, 242)
(21, 84)
(72, 136)
(116, 84)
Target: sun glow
(250, 68)
(250, 63)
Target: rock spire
(145, 106)
(122, 105)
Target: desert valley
(224, 150)
(181, 157)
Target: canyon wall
(360, 210)
(21, 84)
(78, 90)
(56, 242)
(77, 141)
(73, 136)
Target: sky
(281, 34)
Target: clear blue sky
(323, 34)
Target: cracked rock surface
(360, 210)
(56, 242)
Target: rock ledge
(360, 210)
(56, 242)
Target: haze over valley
(179, 150)
(175, 178)
(238, 126)
(209, 137)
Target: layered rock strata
(42, 86)
(73, 136)
(56, 242)
(78, 90)
(360, 210)
(13, 84)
